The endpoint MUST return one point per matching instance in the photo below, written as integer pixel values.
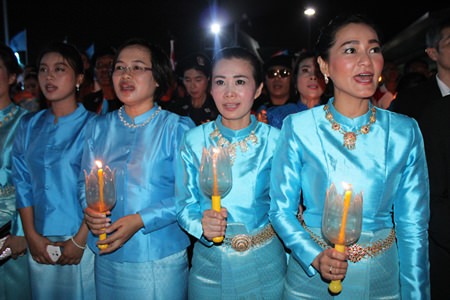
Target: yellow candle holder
(100, 191)
(341, 222)
(215, 177)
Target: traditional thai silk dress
(46, 167)
(218, 270)
(388, 166)
(142, 153)
(14, 276)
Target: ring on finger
(331, 269)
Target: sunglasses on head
(283, 73)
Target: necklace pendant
(349, 140)
(222, 142)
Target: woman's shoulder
(396, 118)
(269, 130)
(32, 117)
(174, 119)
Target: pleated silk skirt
(370, 278)
(164, 279)
(220, 272)
(68, 282)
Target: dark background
(275, 25)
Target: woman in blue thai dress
(46, 166)
(14, 282)
(146, 256)
(379, 153)
(250, 263)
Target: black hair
(434, 33)
(196, 61)
(304, 55)
(244, 54)
(161, 67)
(9, 60)
(68, 51)
(327, 36)
(105, 51)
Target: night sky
(275, 25)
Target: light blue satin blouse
(388, 165)
(46, 167)
(7, 133)
(248, 201)
(143, 160)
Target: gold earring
(325, 77)
(77, 88)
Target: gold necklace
(8, 116)
(129, 125)
(350, 136)
(231, 147)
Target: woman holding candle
(146, 256)
(46, 165)
(379, 153)
(250, 263)
(14, 275)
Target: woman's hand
(97, 222)
(120, 232)
(331, 264)
(17, 244)
(214, 223)
(38, 248)
(70, 254)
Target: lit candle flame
(99, 164)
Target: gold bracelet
(76, 244)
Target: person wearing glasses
(279, 86)
(103, 99)
(46, 165)
(310, 87)
(146, 250)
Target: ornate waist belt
(357, 251)
(243, 242)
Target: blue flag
(19, 41)
(90, 50)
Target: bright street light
(309, 13)
(215, 28)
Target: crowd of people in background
(292, 126)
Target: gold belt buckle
(241, 242)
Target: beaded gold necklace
(231, 147)
(8, 116)
(350, 136)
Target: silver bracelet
(76, 244)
